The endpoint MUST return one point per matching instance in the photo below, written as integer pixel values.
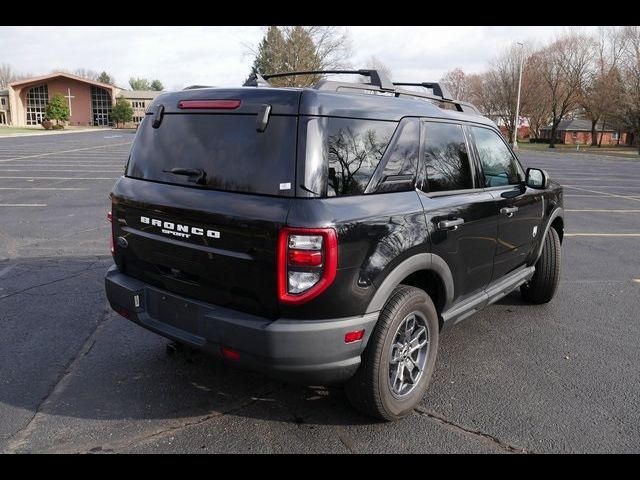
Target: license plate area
(172, 310)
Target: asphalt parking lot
(74, 377)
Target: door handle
(508, 211)
(450, 224)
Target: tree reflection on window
(446, 158)
(355, 148)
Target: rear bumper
(305, 351)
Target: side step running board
(494, 292)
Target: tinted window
(354, 148)
(445, 158)
(401, 159)
(226, 148)
(498, 164)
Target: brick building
(578, 130)
(90, 102)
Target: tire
(544, 283)
(370, 389)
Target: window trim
(478, 161)
(421, 178)
(377, 179)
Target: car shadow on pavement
(70, 357)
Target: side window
(446, 160)
(402, 159)
(499, 166)
(355, 148)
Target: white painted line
(113, 136)
(64, 151)
(637, 187)
(23, 204)
(59, 170)
(59, 178)
(605, 193)
(40, 188)
(578, 195)
(637, 280)
(602, 234)
(6, 270)
(598, 210)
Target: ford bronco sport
(327, 234)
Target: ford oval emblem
(122, 242)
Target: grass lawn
(622, 151)
(13, 130)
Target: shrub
(58, 127)
(47, 124)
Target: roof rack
(439, 90)
(378, 78)
(379, 83)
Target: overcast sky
(181, 56)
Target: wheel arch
(555, 221)
(426, 271)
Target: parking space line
(599, 210)
(41, 188)
(602, 234)
(60, 170)
(23, 204)
(58, 178)
(637, 187)
(605, 193)
(48, 154)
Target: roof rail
(378, 78)
(439, 90)
(379, 83)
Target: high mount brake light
(307, 263)
(209, 104)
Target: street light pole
(515, 133)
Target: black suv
(327, 234)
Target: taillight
(111, 242)
(307, 263)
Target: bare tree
(563, 66)
(603, 89)
(293, 48)
(536, 106)
(501, 87)
(333, 46)
(374, 63)
(7, 75)
(457, 83)
(631, 78)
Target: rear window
(354, 149)
(227, 148)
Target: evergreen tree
(57, 108)
(270, 57)
(122, 111)
(104, 77)
(157, 86)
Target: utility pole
(517, 119)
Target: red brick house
(578, 130)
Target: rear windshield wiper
(190, 172)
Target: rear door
(461, 217)
(519, 208)
(204, 196)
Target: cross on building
(68, 96)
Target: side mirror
(537, 178)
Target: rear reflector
(209, 104)
(230, 354)
(355, 336)
(112, 245)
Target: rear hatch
(205, 194)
